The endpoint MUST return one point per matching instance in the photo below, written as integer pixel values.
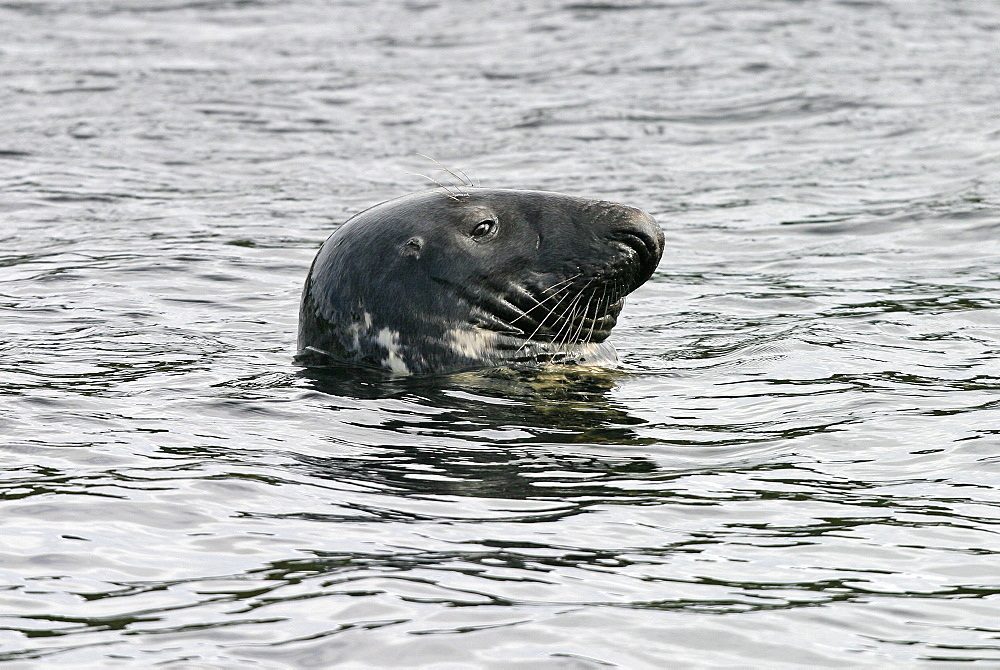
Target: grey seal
(443, 282)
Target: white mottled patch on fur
(471, 342)
(389, 339)
(359, 328)
(354, 330)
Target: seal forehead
(478, 210)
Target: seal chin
(477, 345)
(433, 283)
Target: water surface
(798, 463)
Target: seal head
(435, 282)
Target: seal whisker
(601, 308)
(510, 299)
(461, 182)
(495, 312)
(583, 321)
(564, 281)
(562, 294)
(541, 322)
(592, 314)
(472, 184)
(578, 317)
(578, 337)
(564, 286)
(539, 303)
(562, 337)
(446, 189)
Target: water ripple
(798, 454)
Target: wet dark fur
(443, 281)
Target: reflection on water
(555, 404)
(795, 465)
(478, 434)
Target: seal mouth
(577, 310)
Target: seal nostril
(643, 247)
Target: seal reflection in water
(440, 282)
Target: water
(798, 463)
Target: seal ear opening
(413, 247)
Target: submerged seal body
(439, 282)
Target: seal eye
(484, 228)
